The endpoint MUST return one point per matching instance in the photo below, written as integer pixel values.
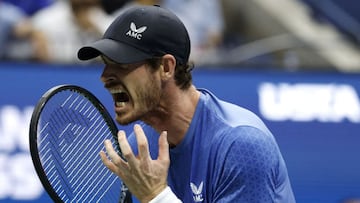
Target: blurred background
(296, 63)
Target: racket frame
(34, 129)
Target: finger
(126, 149)
(113, 155)
(142, 142)
(110, 165)
(163, 147)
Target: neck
(174, 114)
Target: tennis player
(189, 145)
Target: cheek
(150, 81)
(143, 87)
(150, 93)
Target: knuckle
(142, 144)
(116, 161)
(127, 155)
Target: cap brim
(116, 51)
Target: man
(67, 25)
(190, 146)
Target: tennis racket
(67, 130)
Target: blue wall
(315, 118)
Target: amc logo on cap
(135, 32)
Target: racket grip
(125, 196)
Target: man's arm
(253, 169)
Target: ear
(168, 67)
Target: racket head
(64, 115)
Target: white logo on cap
(136, 32)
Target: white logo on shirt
(136, 32)
(197, 196)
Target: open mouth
(120, 97)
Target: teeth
(115, 91)
(120, 104)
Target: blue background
(322, 157)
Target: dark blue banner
(315, 118)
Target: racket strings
(72, 131)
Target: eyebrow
(109, 61)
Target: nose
(107, 75)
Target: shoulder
(230, 114)
(246, 144)
(250, 145)
(249, 159)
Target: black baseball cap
(140, 33)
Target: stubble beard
(145, 101)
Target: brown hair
(183, 77)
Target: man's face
(135, 88)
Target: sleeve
(166, 196)
(249, 169)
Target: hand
(144, 177)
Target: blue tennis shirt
(227, 155)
